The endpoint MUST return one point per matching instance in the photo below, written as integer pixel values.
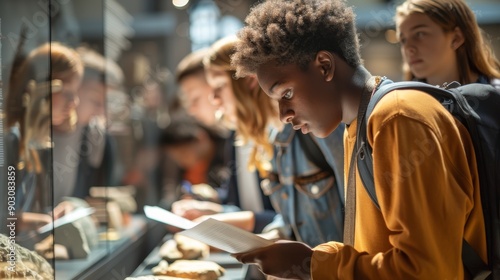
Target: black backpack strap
(476, 267)
(473, 263)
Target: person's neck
(446, 77)
(208, 150)
(65, 128)
(359, 79)
(439, 80)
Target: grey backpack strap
(365, 160)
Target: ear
(458, 38)
(252, 82)
(325, 62)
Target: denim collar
(285, 136)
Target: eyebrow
(271, 89)
(414, 27)
(418, 26)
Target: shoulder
(11, 141)
(495, 82)
(12, 135)
(409, 105)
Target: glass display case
(70, 136)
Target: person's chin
(321, 133)
(419, 72)
(57, 122)
(317, 133)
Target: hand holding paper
(211, 232)
(283, 259)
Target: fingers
(245, 257)
(201, 218)
(46, 219)
(62, 209)
(178, 207)
(192, 214)
(239, 256)
(284, 241)
(172, 229)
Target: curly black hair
(292, 32)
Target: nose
(76, 101)
(286, 114)
(408, 49)
(72, 100)
(215, 98)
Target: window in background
(203, 29)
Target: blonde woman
(257, 211)
(300, 170)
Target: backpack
(477, 107)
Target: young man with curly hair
(305, 54)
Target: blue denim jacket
(313, 210)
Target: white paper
(161, 215)
(68, 218)
(226, 237)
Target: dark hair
(184, 129)
(100, 69)
(294, 31)
(192, 64)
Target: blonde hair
(254, 109)
(43, 71)
(190, 65)
(475, 55)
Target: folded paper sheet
(161, 215)
(66, 219)
(225, 237)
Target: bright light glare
(180, 3)
(391, 36)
